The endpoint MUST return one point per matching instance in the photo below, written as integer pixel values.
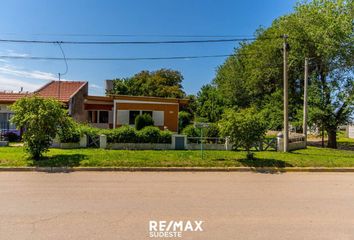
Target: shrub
(124, 134)
(69, 131)
(88, 130)
(165, 137)
(244, 128)
(191, 131)
(41, 118)
(149, 134)
(184, 119)
(142, 121)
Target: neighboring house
(115, 111)
(71, 94)
(99, 111)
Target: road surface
(119, 205)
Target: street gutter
(176, 169)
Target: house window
(5, 121)
(103, 116)
(92, 116)
(98, 116)
(132, 116)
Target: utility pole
(304, 126)
(286, 94)
(59, 86)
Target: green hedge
(124, 134)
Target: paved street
(119, 205)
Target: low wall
(350, 131)
(139, 146)
(292, 145)
(197, 146)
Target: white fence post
(280, 145)
(83, 141)
(103, 141)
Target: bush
(69, 132)
(124, 134)
(88, 130)
(149, 134)
(244, 128)
(191, 131)
(142, 121)
(184, 119)
(41, 118)
(165, 137)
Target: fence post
(103, 141)
(83, 141)
(280, 139)
(228, 145)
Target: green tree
(41, 119)
(321, 30)
(243, 127)
(210, 103)
(160, 83)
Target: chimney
(109, 85)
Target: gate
(93, 141)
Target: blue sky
(57, 20)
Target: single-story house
(99, 111)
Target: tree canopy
(321, 30)
(160, 83)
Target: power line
(130, 42)
(114, 59)
(132, 35)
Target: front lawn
(311, 157)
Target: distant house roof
(62, 90)
(51, 90)
(10, 97)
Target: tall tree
(321, 30)
(210, 104)
(160, 83)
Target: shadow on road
(264, 163)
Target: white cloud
(11, 84)
(13, 53)
(14, 71)
(95, 86)
(13, 78)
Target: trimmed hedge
(124, 134)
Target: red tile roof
(50, 90)
(67, 90)
(10, 97)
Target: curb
(175, 169)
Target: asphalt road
(119, 205)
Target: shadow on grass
(60, 161)
(269, 166)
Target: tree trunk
(332, 138)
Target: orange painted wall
(170, 112)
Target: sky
(146, 20)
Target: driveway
(119, 205)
